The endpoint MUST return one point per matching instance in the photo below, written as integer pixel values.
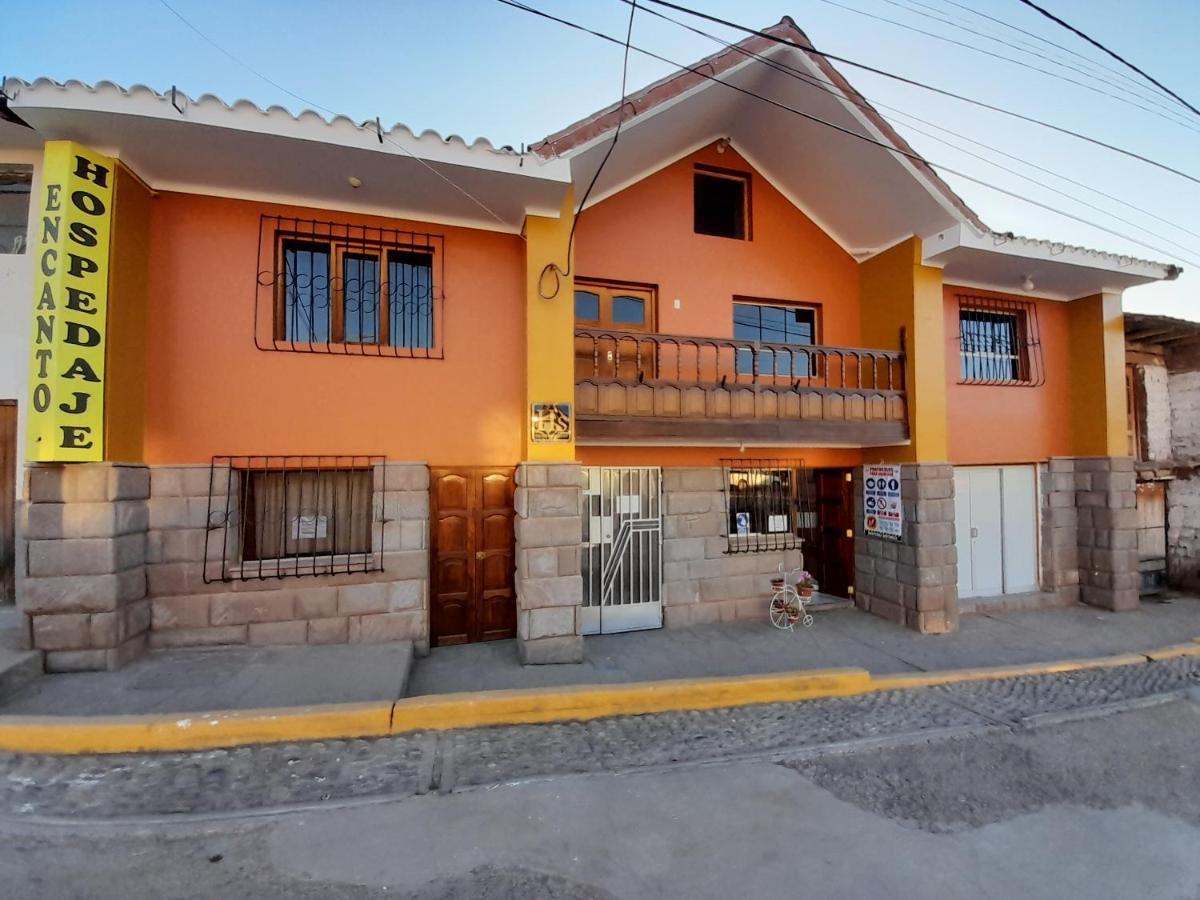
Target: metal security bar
(1000, 342)
(358, 290)
(287, 516)
(768, 504)
(622, 549)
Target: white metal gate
(622, 549)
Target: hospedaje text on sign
(71, 267)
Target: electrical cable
(923, 86)
(1122, 60)
(817, 119)
(1045, 40)
(1142, 92)
(1009, 59)
(558, 272)
(308, 103)
(863, 103)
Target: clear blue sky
(475, 67)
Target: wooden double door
(472, 589)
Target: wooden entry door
(472, 589)
(835, 532)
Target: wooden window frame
(746, 180)
(818, 322)
(608, 290)
(338, 250)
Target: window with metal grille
(279, 516)
(999, 342)
(767, 504)
(350, 289)
(16, 182)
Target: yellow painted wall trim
(549, 326)
(899, 293)
(1098, 416)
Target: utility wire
(865, 105)
(1044, 40)
(817, 119)
(553, 268)
(1135, 89)
(309, 103)
(1122, 60)
(923, 86)
(1009, 59)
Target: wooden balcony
(640, 388)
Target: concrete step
(14, 629)
(17, 669)
(1002, 603)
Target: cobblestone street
(327, 772)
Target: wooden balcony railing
(634, 387)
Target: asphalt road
(1097, 807)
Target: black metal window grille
(768, 504)
(287, 516)
(764, 323)
(16, 183)
(325, 287)
(999, 342)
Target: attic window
(722, 202)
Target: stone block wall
(1185, 414)
(549, 529)
(1183, 529)
(1060, 530)
(914, 581)
(369, 607)
(702, 581)
(84, 541)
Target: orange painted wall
(211, 391)
(998, 424)
(644, 234)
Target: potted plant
(806, 584)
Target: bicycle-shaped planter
(787, 606)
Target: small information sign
(881, 501)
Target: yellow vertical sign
(70, 305)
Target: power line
(1009, 59)
(817, 119)
(862, 103)
(1122, 60)
(558, 271)
(927, 87)
(1142, 92)
(1045, 40)
(249, 68)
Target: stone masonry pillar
(913, 581)
(1106, 506)
(549, 585)
(85, 585)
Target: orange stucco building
(365, 386)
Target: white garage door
(995, 513)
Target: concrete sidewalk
(838, 639)
(226, 678)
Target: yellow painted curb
(592, 702)
(1175, 650)
(205, 731)
(957, 676)
(191, 731)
